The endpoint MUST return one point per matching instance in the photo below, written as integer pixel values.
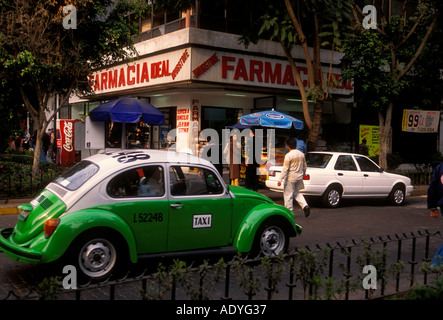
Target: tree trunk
(41, 129)
(300, 86)
(384, 135)
(316, 125)
(37, 152)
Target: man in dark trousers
(251, 176)
(435, 200)
(435, 191)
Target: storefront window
(138, 135)
(113, 134)
(219, 118)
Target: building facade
(202, 78)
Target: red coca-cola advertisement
(65, 141)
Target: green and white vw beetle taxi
(116, 207)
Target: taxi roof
(126, 158)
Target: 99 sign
(414, 120)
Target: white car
(336, 175)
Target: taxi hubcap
(272, 241)
(97, 258)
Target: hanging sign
(420, 121)
(370, 133)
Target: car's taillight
(50, 226)
(306, 177)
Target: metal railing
(333, 271)
(23, 185)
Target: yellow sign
(370, 133)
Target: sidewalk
(10, 206)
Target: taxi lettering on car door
(199, 209)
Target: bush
(16, 178)
(423, 293)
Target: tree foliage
(387, 61)
(40, 58)
(310, 24)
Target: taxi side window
(191, 181)
(146, 181)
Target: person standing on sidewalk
(294, 169)
(251, 175)
(435, 190)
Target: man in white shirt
(294, 169)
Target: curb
(10, 207)
(9, 210)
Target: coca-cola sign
(65, 141)
(68, 130)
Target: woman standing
(234, 159)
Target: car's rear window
(75, 177)
(318, 160)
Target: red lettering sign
(273, 73)
(205, 66)
(65, 141)
(180, 64)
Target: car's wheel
(397, 196)
(97, 256)
(332, 196)
(270, 239)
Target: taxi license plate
(23, 215)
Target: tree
(310, 24)
(48, 52)
(13, 114)
(383, 59)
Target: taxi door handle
(366, 175)
(177, 205)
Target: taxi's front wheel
(271, 239)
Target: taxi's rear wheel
(97, 258)
(97, 255)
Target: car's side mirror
(381, 170)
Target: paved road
(355, 220)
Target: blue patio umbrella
(127, 110)
(271, 119)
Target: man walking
(294, 169)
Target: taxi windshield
(75, 177)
